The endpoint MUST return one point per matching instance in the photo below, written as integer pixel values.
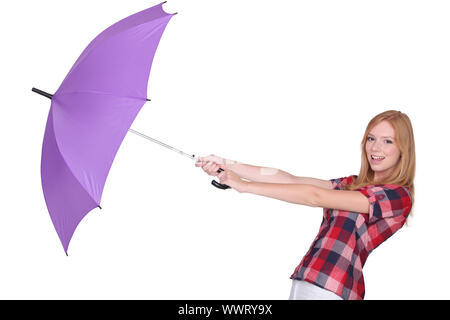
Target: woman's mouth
(376, 159)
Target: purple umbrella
(91, 113)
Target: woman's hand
(211, 164)
(232, 180)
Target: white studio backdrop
(285, 84)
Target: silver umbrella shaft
(214, 182)
(191, 156)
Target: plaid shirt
(340, 250)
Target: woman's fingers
(214, 158)
(214, 168)
(222, 175)
(210, 164)
(207, 166)
(210, 168)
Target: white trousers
(303, 290)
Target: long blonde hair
(404, 171)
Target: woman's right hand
(211, 164)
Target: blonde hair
(404, 171)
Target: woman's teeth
(377, 158)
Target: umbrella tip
(148, 99)
(42, 93)
(99, 206)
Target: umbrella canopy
(91, 112)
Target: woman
(360, 212)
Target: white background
(284, 84)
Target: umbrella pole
(163, 144)
(213, 182)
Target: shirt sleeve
(387, 201)
(339, 183)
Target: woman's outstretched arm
(304, 194)
(257, 173)
(310, 195)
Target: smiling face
(382, 151)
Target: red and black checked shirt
(338, 253)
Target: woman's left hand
(232, 180)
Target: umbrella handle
(219, 185)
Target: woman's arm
(259, 174)
(310, 195)
(305, 194)
(272, 175)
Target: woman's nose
(375, 146)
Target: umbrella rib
(103, 93)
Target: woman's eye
(370, 139)
(388, 141)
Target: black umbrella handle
(219, 185)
